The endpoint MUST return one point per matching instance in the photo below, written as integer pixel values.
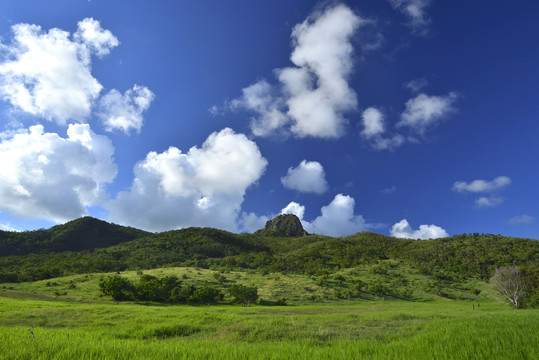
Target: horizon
(253, 233)
(413, 119)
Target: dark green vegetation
(82, 234)
(364, 266)
(167, 289)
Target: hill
(88, 246)
(85, 233)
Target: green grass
(401, 280)
(70, 320)
(374, 330)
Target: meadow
(77, 323)
(366, 296)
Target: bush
(244, 295)
(205, 295)
(118, 287)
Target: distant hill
(85, 233)
(89, 245)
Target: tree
(511, 283)
(118, 287)
(205, 295)
(244, 295)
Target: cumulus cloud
(48, 73)
(522, 219)
(479, 186)
(96, 39)
(373, 122)
(54, 178)
(402, 229)
(415, 11)
(424, 111)
(421, 114)
(250, 222)
(307, 177)
(263, 100)
(336, 219)
(314, 95)
(125, 112)
(294, 208)
(203, 187)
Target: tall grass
(372, 330)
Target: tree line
(171, 289)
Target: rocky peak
(283, 225)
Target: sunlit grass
(377, 330)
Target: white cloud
(402, 229)
(97, 40)
(261, 98)
(46, 176)
(307, 177)
(373, 122)
(294, 208)
(483, 186)
(415, 11)
(336, 219)
(522, 219)
(8, 227)
(250, 222)
(125, 112)
(491, 201)
(48, 74)
(315, 93)
(204, 187)
(479, 186)
(425, 111)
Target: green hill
(390, 264)
(81, 234)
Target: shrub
(205, 295)
(244, 295)
(118, 287)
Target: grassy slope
(399, 282)
(374, 330)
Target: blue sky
(412, 118)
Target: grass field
(351, 330)
(297, 289)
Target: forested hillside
(81, 234)
(89, 245)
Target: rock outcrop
(287, 225)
